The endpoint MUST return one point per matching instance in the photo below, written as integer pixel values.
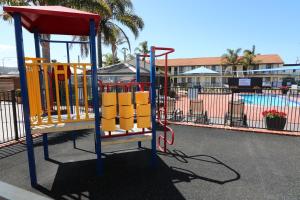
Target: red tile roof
(262, 59)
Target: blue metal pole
(95, 96)
(138, 79)
(74, 134)
(45, 146)
(70, 81)
(153, 105)
(137, 63)
(24, 93)
(37, 45)
(38, 55)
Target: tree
(117, 38)
(121, 13)
(142, 49)
(231, 59)
(249, 59)
(109, 59)
(86, 5)
(130, 57)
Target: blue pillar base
(45, 145)
(74, 135)
(99, 166)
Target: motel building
(180, 65)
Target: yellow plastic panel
(143, 122)
(109, 112)
(143, 110)
(124, 98)
(108, 124)
(142, 97)
(109, 98)
(126, 123)
(126, 111)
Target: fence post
(158, 102)
(231, 107)
(15, 119)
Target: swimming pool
(268, 100)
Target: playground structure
(45, 85)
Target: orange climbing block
(109, 98)
(108, 124)
(143, 110)
(109, 112)
(126, 123)
(126, 111)
(124, 98)
(142, 97)
(144, 122)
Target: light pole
(124, 53)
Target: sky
(195, 28)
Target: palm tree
(116, 39)
(231, 59)
(109, 59)
(121, 13)
(142, 49)
(249, 59)
(87, 5)
(130, 57)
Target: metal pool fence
(213, 106)
(11, 116)
(185, 104)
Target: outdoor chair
(173, 113)
(293, 90)
(238, 117)
(197, 112)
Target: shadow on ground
(127, 176)
(55, 138)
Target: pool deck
(204, 163)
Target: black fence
(213, 106)
(11, 116)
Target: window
(269, 66)
(213, 80)
(175, 81)
(189, 80)
(183, 80)
(193, 67)
(213, 67)
(175, 70)
(180, 70)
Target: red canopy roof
(54, 19)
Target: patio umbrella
(200, 70)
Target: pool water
(268, 100)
